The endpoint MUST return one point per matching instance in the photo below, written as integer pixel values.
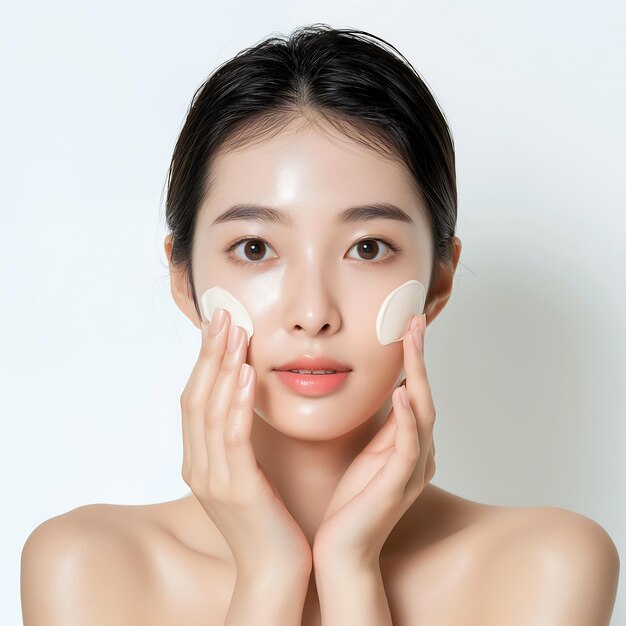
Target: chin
(326, 417)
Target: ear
(443, 288)
(180, 287)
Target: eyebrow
(362, 213)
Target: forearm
(352, 595)
(267, 601)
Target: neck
(306, 471)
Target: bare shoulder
(547, 565)
(504, 565)
(84, 566)
(156, 564)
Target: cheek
(376, 375)
(384, 315)
(386, 362)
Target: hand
(220, 466)
(388, 475)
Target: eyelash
(237, 261)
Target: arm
(267, 600)
(352, 595)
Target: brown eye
(369, 247)
(253, 250)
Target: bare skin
(166, 564)
(447, 560)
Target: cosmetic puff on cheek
(217, 297)
(391, 321)
(397, 309)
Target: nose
(311, 303)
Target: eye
(370, 247)
(254, 247)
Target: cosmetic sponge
(397, 309)
(391, 322)
(216, 297)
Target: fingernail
(217, 321)
(414, 322)
(244, 374)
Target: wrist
(274, 576)
(352, 592)
(346, 562)
(348, 566)
(267, 597)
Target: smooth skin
(299, 483)
(386, 478)
(219, 464)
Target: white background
(527, 360)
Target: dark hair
(347, 77)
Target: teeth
(313, 371)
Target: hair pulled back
(349, 78)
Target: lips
(313, 385)
(311, 364)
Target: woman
(313, 177)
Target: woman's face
(311, 288)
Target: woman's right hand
(220, 466)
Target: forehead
(308, 170)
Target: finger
(240, 456)
(425, 460)
(431, 466)
(196, 395)
(418, 388)
(402, 461)
(384, 438)
(219, 402)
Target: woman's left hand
(387, 476)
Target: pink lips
(314, 363)
(312, 384)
